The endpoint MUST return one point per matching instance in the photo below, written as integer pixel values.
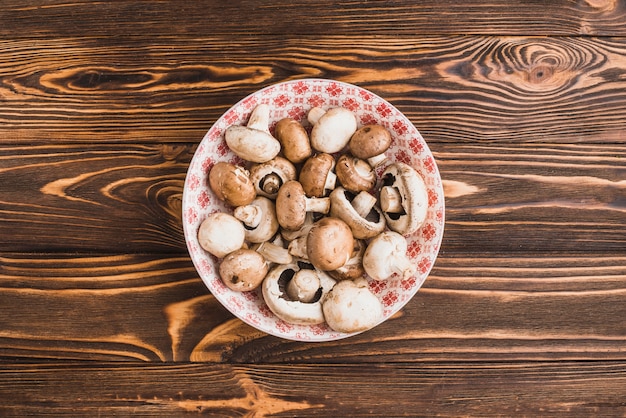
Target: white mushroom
(293, 311)
(386, 255)
(259, 219)
(221, 233)
(268, 177)
(243, 270)
(358, 211)
(332, 129)
(403, 198)
(304, 286)
(352, 307)
(253, 142)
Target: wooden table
(102, 105)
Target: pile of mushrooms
(311, 220)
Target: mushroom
(259, 219)
(292, 205)
(332, 129)
(243, 270)
(304, 286)
(329, 244)
(221, 233)
(289, 310)
(290, 235)
(268, 177)
(253, 142)
(403, 198)
(231, 184)
(370, 143)
(273, 252)
(317, 176)
(353, 269)
(358, 211)
(355, 174)
(352, 307)
(386, 255)
(294, 140)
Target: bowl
(294, 99)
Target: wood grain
(442, 389)
(453, 88)
(155, 308)
(42, 19)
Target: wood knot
(540, 74)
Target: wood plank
(454, 88)
(155, 308)
(48, 18)
(446, 389)
(501, 199)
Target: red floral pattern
(294, 99)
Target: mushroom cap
(329, 244)
(292, 311)
(231, 184)
(414, 195)
(355, 174)
(268, 177)
(291, 205)
(243, 270)
(386, 255)
(369, 141)
(221, 233)
(294, 140)
(267, 221)
(362, 227)
(314, 172)
(353, 269)
(352, 307)
(332, 131)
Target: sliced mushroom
(358, 211)
(403, 198)
(386, 255)
(231, 184)
(292, 205)
(332, 129)
(329, 244)
(317, 176)
(243, 270)
(370, 143)
(220, 234)
(293, 311)
(253, 142)
(355, 174)
(259, 219)
(268, 177)
(352, 307)
(294, 140)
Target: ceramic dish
(294, 99)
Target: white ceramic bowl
(294, 99)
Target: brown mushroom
(403, 198)
(329, 244)
(358, 211)
(370, 143)
(317, 176)
(292, 205)
(253, 142)
(231, 184)
(243, 270)
(355, 174)
(353, 269)
(268, 177)
(294, 140)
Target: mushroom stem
(273, 253)
(376, 160)
(271, 183)
(363, 203)
(315, 114)
(318, 204)
(304, 286)
(250, 215)
(260, 118)
(402, 266)
(331, 181)
(297, 247)
(390, 200)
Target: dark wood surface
(102, 105)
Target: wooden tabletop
(102, 105)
